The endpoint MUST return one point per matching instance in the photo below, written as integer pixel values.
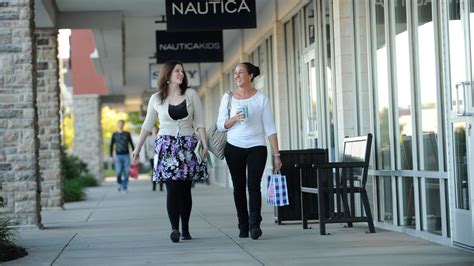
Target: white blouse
(258, 125)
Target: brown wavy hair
(164, 77)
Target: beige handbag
(216, 139)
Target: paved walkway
(111, 228)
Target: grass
(109, 172)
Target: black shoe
(255, 232)
(175, 236)
(186, 236)
(244, 234)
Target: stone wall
(48, 118)
(88, 133)
(19, 171)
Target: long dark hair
(252, 69)
(164, 79)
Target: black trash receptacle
(289, 158)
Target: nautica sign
(197, 15)
(207, 7)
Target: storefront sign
(194, 47)
(192, 73)
(197, 15)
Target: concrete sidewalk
(112, 228)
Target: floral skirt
(175, 159)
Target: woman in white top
(249, 124)
(180, 112)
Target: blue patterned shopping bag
(277, 193)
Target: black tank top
(179, 111)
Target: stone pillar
(48, 118)
(346, 95)
(352, 89)
(281, 111)
(88, 132)
(19, 171)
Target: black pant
(247, 164)
(152, 165)
(179, 203)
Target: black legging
(253, 160)
(179, 203)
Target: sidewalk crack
(64, 248)
(231, 238)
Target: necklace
(246, 93)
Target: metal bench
(337, 186)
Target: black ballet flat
(175, 236)
(186, 236)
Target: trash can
(289, 158)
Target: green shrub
(73, 190)
(7, 233)
(87, 181)
(72, 166)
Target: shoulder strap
(229, 102)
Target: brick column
(88, 132)
(19, 171)
(48, 118)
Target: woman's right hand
(239, 116)
(135, 155)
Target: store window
(407, 109)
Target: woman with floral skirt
(180, 113)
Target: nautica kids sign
(196, 15)
(194, 47)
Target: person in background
(121, 140)
(150, 154)
(180, 113)
(249, 123)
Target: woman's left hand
(204, 152)
(277, 164)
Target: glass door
(460, 28)
(310, 97)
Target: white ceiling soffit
(45, 14)
(129, 8)
(124, 32)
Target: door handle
(464, 85)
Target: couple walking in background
(181, 114)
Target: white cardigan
(184, 127)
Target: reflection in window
(408, 200)
(447, 221)
(433, 206)
(428, 86)
(403, 82)
(382, 87)
(456, 51)
(309, 23)
(385, 200)
(312, 118)
(460, 166)
(327, 26)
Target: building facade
(399, 69)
